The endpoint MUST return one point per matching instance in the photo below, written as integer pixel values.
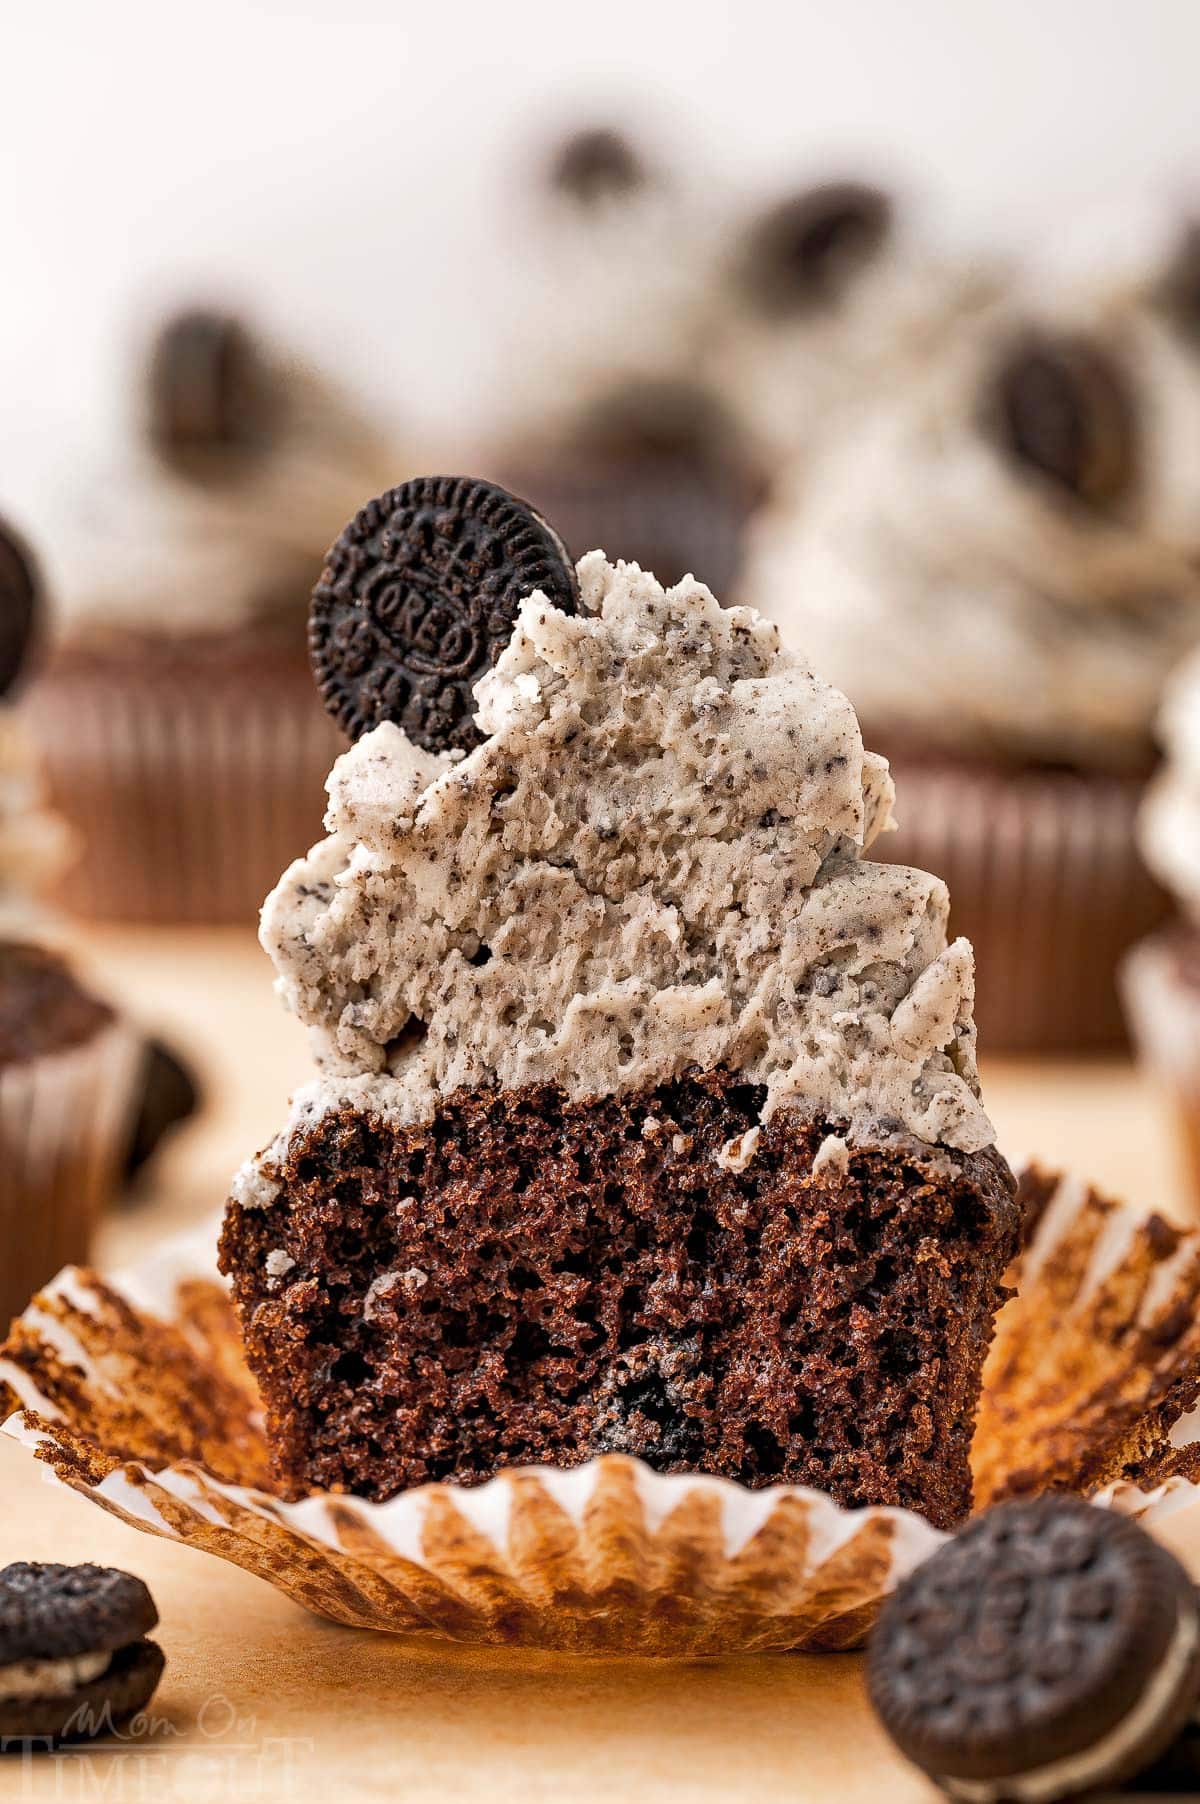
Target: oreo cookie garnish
(169, 1096)
(595, 165)
(418, 599)
(20, 598)
(74, 1661)
(804, 251)
(1179, 290)
(211, 394)
(667, 421)
(1060, 404)
(1052, 1648)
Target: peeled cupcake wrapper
(133, 1392)
(65, 1121)
(1047, 884)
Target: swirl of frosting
(655, 859)
(1028, 511)
(146, 541)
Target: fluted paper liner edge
(610, 1557)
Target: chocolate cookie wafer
(1052, 1648)
(74, 1658)
(20, 592)
(418, 599)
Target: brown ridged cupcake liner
(1162, 1003)
(134, 1393)
(1045, 881)
(65, 1123)
(193, 775)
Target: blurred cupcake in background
(833, 295)
(69, 1065)
(1002, 566)
(608, 422)
(175, 713)
(1161, 977)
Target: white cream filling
(1092, 1766)
(51, 1678)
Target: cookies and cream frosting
(797, 376)
(141, 547)
(655, 860)
(1054, 624)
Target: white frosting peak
(1055, 625)
(655, 860)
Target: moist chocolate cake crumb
(524, 1279)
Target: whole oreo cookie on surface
(1053, 1647)
(20, 600)
(74, 1659)
(803, 252)
(418, 599)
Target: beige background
(262, 1701)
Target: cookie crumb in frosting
(736, 1154)
(833, 1156)
(654, 861)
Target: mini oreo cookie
(418, 599)
(211, 395)
(804, 251)
(74, 1661)
(1051, 1648)
(20, 599)
(596, 165)
(1061, 405)
(170, 1095)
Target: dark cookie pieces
(1179, 289)
(595, 165)
(94, 1708)
(418, 599)
(43, 1008)
(803, 253)
(1060, 405)
(211, 395)
(170, 1095)
(51, 1612)
(1029, 1640)
(20, 595)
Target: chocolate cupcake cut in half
(646, 1117)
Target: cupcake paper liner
(65, 1121)
(1046, 882)
(133, 1392)
(192, 778)
(1163, 1008)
